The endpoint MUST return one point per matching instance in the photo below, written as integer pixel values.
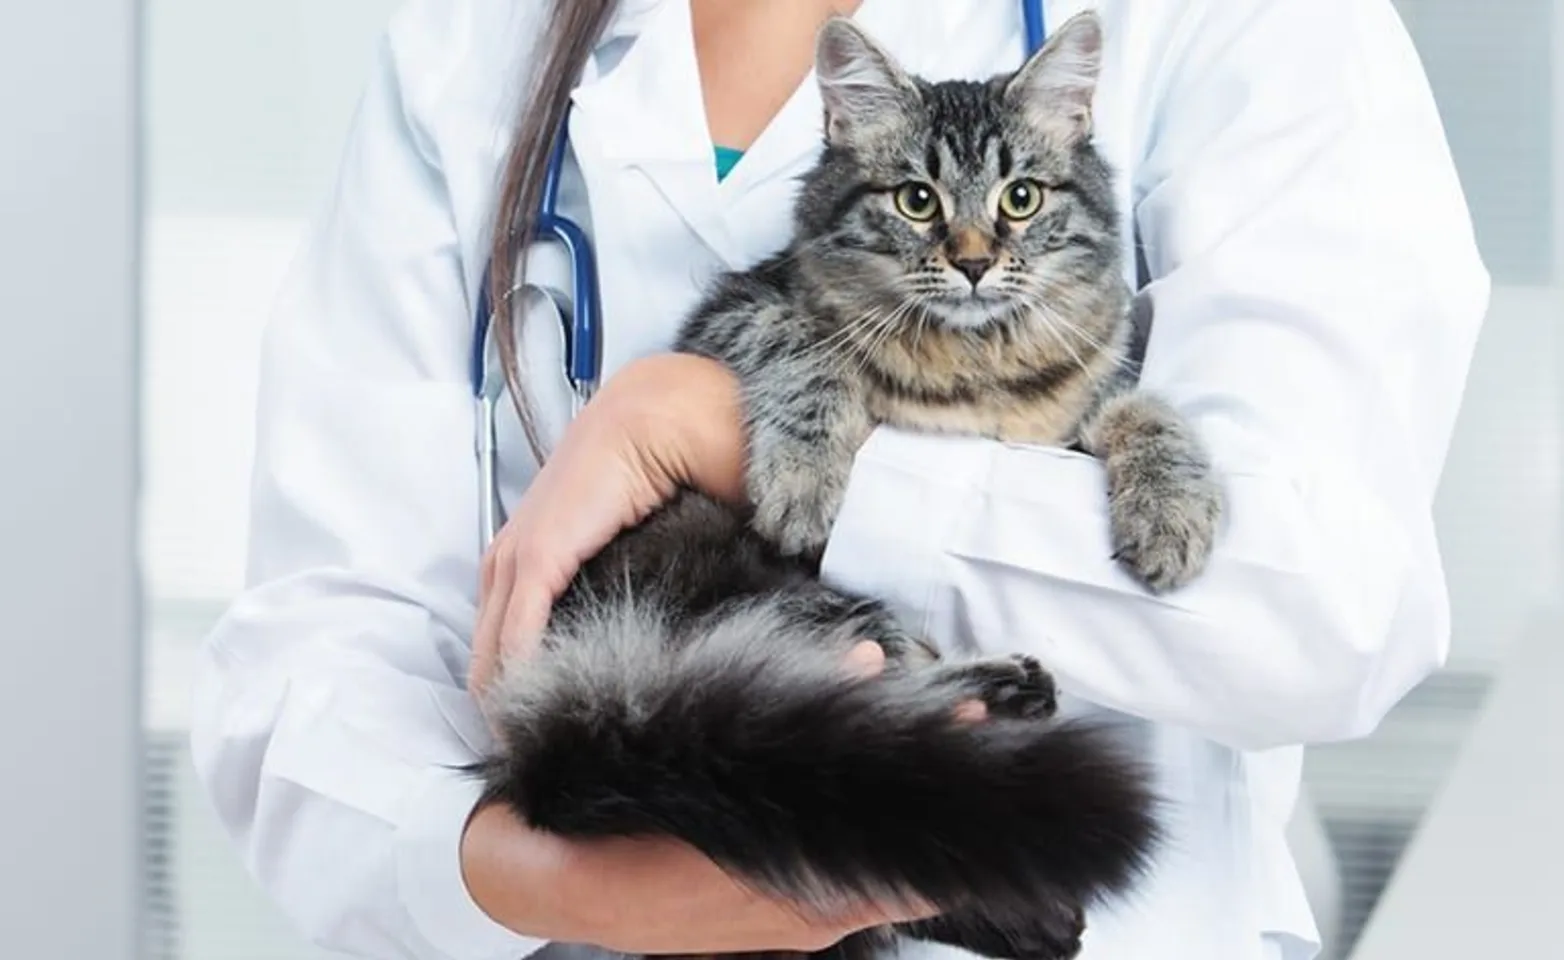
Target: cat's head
(963, 205)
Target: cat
(955, 267)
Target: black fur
(718, 711)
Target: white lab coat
(1315, 293)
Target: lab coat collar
(647, 112)
(647, 108)
(629, 19)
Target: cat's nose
(973, 268)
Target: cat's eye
(917, 201)
(1021, 200)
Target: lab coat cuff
(429, 874)
(898, 516)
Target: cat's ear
(862, 88)
(1055, 87)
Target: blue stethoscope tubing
(581, 323)
(583, 326)
(580, 313)
(1036, 25)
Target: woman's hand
(659, 423)
(643, 896)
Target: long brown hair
(574, 27)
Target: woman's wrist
(687, 411)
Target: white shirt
(1315, 293)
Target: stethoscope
(580, 314)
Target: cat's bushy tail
(759, 749)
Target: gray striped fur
(867, 319)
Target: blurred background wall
(246, 102)
(69, 271)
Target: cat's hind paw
(1009, 686)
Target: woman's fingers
(866, 659)
(526, 616)
(513, 611)
(972, 711)
(498, 577)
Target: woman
(1308, 268)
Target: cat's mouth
(965, 294)
(970, 308)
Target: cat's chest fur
(984, 386)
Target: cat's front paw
(1164, 545)
(795, 508)
(1164, 501)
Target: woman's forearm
(687, 409)
(647, 895)
(513, 874)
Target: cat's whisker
(837, 350)
(841, 339)
(923, 324)
(1044, 299)
(864, 332)
(879, 332)
(1061, 328)
(889, 328)
(827, 346)
(844, 356)
(877, 335)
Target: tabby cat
(955, 267)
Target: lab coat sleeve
(329, 707)
(1315, 295)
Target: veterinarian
(1308, 276)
